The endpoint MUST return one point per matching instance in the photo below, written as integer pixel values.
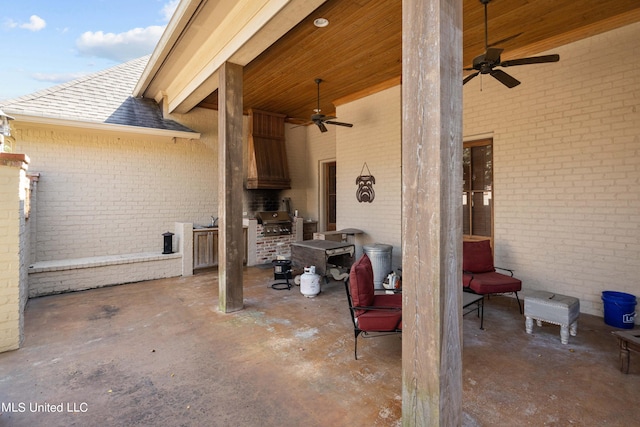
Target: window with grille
(477, 191)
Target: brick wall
(13, 249)
(374, 140)
(269, 248)
(110, 194)
(103, 195)
(102, 271)
(567, 167)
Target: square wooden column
(231, 242)
(432, 213)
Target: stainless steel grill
(274, 223)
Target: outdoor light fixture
(321, 22)
(5, 129)
(168, 243)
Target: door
(330, 195)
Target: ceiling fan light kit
(486, 63)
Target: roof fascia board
(176, 26)
(105, 127)
(197, 77)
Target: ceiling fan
(486, 63)
(320, 119)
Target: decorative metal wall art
(365, 192)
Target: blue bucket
(619, 309)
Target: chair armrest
(505, 269)
(379, 307)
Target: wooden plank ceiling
(360, 51)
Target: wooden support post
(231, 242)
(431, 213)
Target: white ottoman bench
(557, 309)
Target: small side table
(627, 340)
(557, 309)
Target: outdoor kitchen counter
(322, 254)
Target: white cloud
(128, 45)
(35, 24)
(9, 24)
(119, 47)
(168, 9)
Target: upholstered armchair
(372, 314)
(479, 275)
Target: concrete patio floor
(159, 353)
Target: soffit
(361, 49)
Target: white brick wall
(567, 167)
(374, 140)
(13, 183)
(111, 194)
(105, 194)
(99, 272)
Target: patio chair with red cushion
(479, 275)
(372, 315)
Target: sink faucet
(214, 221)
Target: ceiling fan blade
(492, 54)
(349, 125)
(531, 60)
(504, 78)
(321, 125)
(469, 77)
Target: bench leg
(624, 357)
(564, 334)
(573, 329)
(529, 324)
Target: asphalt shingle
(102, 97)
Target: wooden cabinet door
(204, 251)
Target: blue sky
(45, 42)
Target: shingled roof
(102, 97)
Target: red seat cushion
(491, 283)
(380, 320)
(477, 257)
(363, 295)
(361, 282)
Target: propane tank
(310, 282)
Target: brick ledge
(98, 261)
